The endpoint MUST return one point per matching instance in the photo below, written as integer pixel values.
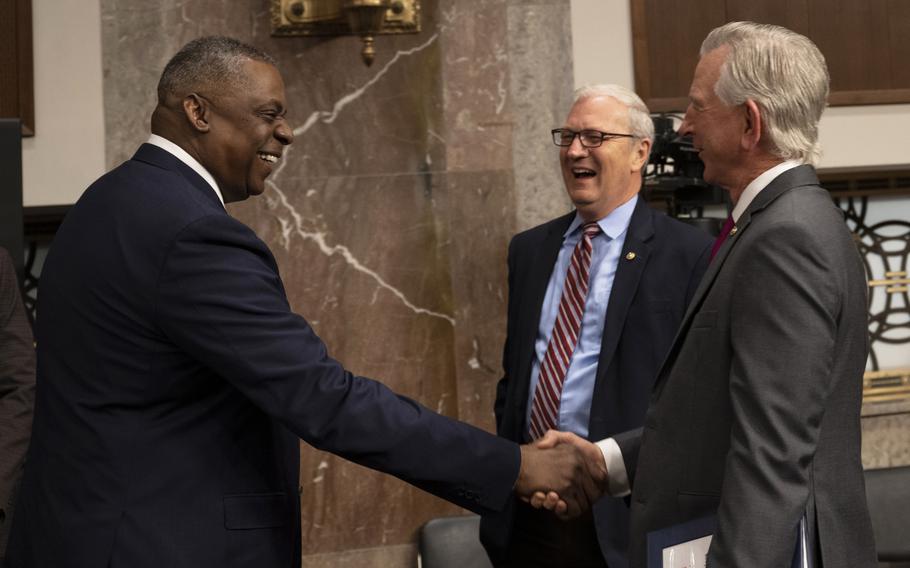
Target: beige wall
(67, 153)
(850, 136)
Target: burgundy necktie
(564, 337)
(724, 232)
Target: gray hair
(640, 122)
(207, 61)
(784, 73)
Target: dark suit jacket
(756, 413)
(174, 381)
(647, 302)
(17, 390)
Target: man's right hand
(594, 463)
(560, 476)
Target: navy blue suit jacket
(174, 382)
(647, 302)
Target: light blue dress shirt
(578, 387)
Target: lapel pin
(630, 255)
(733, 230)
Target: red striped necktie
(563, 338)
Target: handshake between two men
(563, 473)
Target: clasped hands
(563, 473)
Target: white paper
(691, 554)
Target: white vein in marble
(329, 117)
(289, 228)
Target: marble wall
(390, 215)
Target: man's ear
(197, 112)
(640, 154)
(752, 132)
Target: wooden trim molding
(866, 181)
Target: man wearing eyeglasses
(595, 297)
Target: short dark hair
(207, 61)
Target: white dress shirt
(190, 161)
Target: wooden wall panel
(854, 38)
(866, 44)
(16, 68)
(899, 33)
(793, 14)
(659, 28)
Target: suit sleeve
(17, 391)
(784, 313)
(221, 300)
(502, 387)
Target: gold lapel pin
(733, 230)
(630, 255)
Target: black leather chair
(452, 542)
(888, 493)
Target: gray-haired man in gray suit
(755, 414)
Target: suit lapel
(625, 284)
(542, 263)
(790, 179)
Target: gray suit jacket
(17, 390)
(755, 415)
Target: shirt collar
(190, 161)
(758, 184)
(613, 225)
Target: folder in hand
(686, 545)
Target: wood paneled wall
(866, 44)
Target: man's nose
(685, 127)
(576, 148)
(283, 133)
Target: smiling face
(247, 132)
(715, 128)
(598, 180)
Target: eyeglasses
(589, 138)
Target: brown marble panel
(360, 258)
(477, 210)
(475, 74)
(402, 556)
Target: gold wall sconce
(366, 18)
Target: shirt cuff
(617, 477)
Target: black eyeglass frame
(558, 137)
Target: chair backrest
(452, 542)
(888, 494)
